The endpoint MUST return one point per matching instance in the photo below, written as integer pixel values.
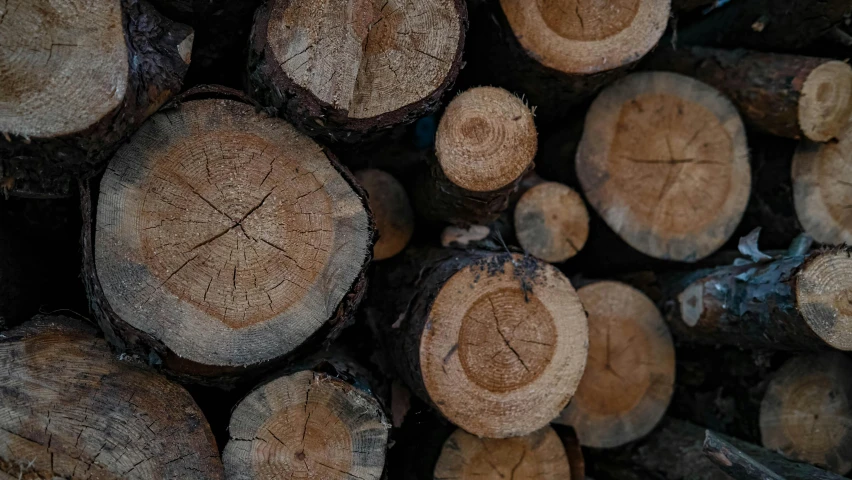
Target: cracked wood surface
(70, 409)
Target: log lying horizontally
(225, 239)
(484, 145)
(495, 342)
(551, 222)
(785, 95)
(319, 421)
(792, 302)
(70, 409)
(391, 210)
(663, 159)
(77, 78)
(629, 377)
(346, 69)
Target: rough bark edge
(47, 167)
(269, 84)
(128, 339)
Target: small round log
(629, 377)
(551, 222)
(391, 210)
(663, 159)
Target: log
(317, 421)
(562, 52)
(78, 78)
(768, 25)
(551, 222)
(789, 96)
(346, 70)
(821, 187)
(224, 239)
(744, 461)
(69, 408)
(629, 377)
(539, 455)
(495, 342)
(806, 413)
(391, 210)
(796, 302)
(485, 144)
(663, 159)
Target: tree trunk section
(391, 210)
(126, 61)
(785, 95)
(317, 419)
(473, 332)
(551, 222)
(789, 303)
(70, 409)
(187, 255)
(348, 83)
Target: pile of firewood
(425, 239)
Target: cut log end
(826, 101)
(629, 378)
(351, 55)
(306, 425)
(391, 211)
(551, 222)
(822, 188)
(807, 411)
(578, 37)
(539, 455)
(70, 409)
(227, 235)
(824, 296)
(486, 139)
(64, 68)
(664, 160)
(504, 346)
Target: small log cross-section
(70, 409)
(795, 303)
(346, 69)
(76, 78)
(314, 423)
(785, 95)
(663, 159)
(391, 210)
(485, 143)
(806, 413)
(629, 377)
(822, 188)
(551, 222)
(495, 342)
(228, 238)
(537, 456)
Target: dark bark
(768, 25)
(49, 166)
(765, 87)
(271, 86)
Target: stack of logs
(453, 309)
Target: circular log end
(806, 413)
(629, 377)
(306, 425)
(65, 66)
(227, 235)
(366, 57)
(826, 101)
(504, 346)
(824, 296)
(551, 222)
(70, 409)
(486, 139)
(539, 455)
(577, 37)
(664, 161)
(822, 188)
(391, 210)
